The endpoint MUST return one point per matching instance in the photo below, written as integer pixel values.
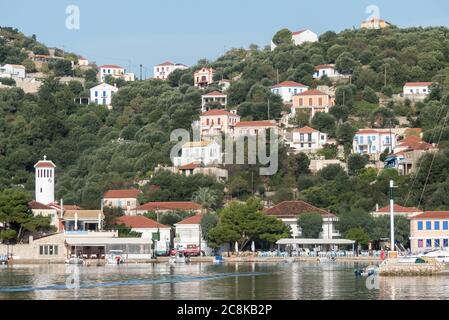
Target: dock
(392, 267)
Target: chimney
(377, 207)
(30, 239)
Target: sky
(148, 32)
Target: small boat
(74, 260)
(4, 260)
(179, 257)
(442, 256)
(366, 272)
(218, 259)
(115, 257)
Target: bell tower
(45, 181)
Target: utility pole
(385, 83)
(268, 108)
(141, 72)
(277, 76)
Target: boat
(74, 260)
(4, 259)
(218, 259)
(115, 257)
(179, 257)
(442, 256)
(367, 272)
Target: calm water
(206, 281)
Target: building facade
(102, 94)
(308, 140)
(205, 152)
(416, 91)
(124, 199)
(114, 71)
(13, 71)
(213, 98)
(429, 231)
(168, 206)
(163, 70)
(373, 142)
(327, 70)
(203, 77)
(312, 101)
(300, 37)
(45, 181)
(253, 128)
(288, 89)
(217, 122)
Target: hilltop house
(12, 71)
(102, 94)
(374, 142)
(327, 70)
(169, 206)
(429, 231)
(213, 98)
(203, 77)
(289, 211)
(205, 152)
(312, 101)
(163, 70)
(124, 199)
(221, 175)
(416, 91)
(252, 128)
(375, 23)
(300, 37)
(308, 140)
(216, 122)
(288, 89)
(116, 72)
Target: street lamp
(392, 186)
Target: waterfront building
(289, 211)
(287, 89)
(124, 199)
(83, 220)
(188, 235)
(429, 231)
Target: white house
(83, 62)
(163, 70)
(216, 122)
(417, 90)
(326, 70)
(188, 235)
(224, 84)
(40, 209)
(206, 152)
(373, 142)
(45, 181)
(214, 97)
(252, 128)
(102, 94)
(149, 229)
(308, 140)
(203, 77)
(12, 71)
(289, 211)
(116, 72)
(301, 37)
(288, 89)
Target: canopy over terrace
(133, 248)
(315, 243)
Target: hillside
(96, 149)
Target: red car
(191, 250)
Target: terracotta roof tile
(214, 94)
(289, 84)
(34, 205)
(288, 209)
(196, 219)
(399, 209)
(265, 123)
(120, 194)
(433, 215)
(173, 205)
(312, 93)
(305, 129)
(218, 112)
(139, 222)
(417, 84)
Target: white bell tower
(45, 181)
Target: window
(96, 93)
(437, 225)
(219, 121)
(320, 101)
(300, 102)
(428, 243)
(437, 243)
(420, 243)
(420, 225)
(104, 101)
(310, 101)
(48, 250)
(446, 243)
(428, 225)
(445, 225)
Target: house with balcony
(102, 94)
(12, 71)
(114, 71)
(163, 70)
(216, 122)
(287, 89)
(83, 220)
(416, 91)
(214, 98)
(289, 211)
(203, 77)
(429, 231)
(312, 101)
(205, 152)
(374, 142)
(124, 199)
(308, 140)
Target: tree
(206, 198)
(359, 235)
(369, 95)
(344, 96)
(245, 222)
(300, 164)
(345, 134)
(381, 229)
(61, 68)
(283, 36)
(301, 118)
(328, 151)
(239, 186)
(345, 63)
(283, 194)
(324, 122)
(311, 225)
(209, 221)
(356, 162)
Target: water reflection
(288, 281)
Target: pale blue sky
(153, 31)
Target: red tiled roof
(324, 66)
(66, 206)
(399, 209)
(218, 112)
(288, 84)
(45, 164)
(173, 205)
(414, 143)
(417, 84)
(289, 209)
(139, 222)
(34, 205)
(305, 129)
(295, 33)
(190, 166)
(166, 63)
(264, 123)
(370, 131)
(111, 66)
(121, 194)
(196, 219)
(214, 94)
(432, 215)
(312, 93)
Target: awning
(99, 242)
(316, 241)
